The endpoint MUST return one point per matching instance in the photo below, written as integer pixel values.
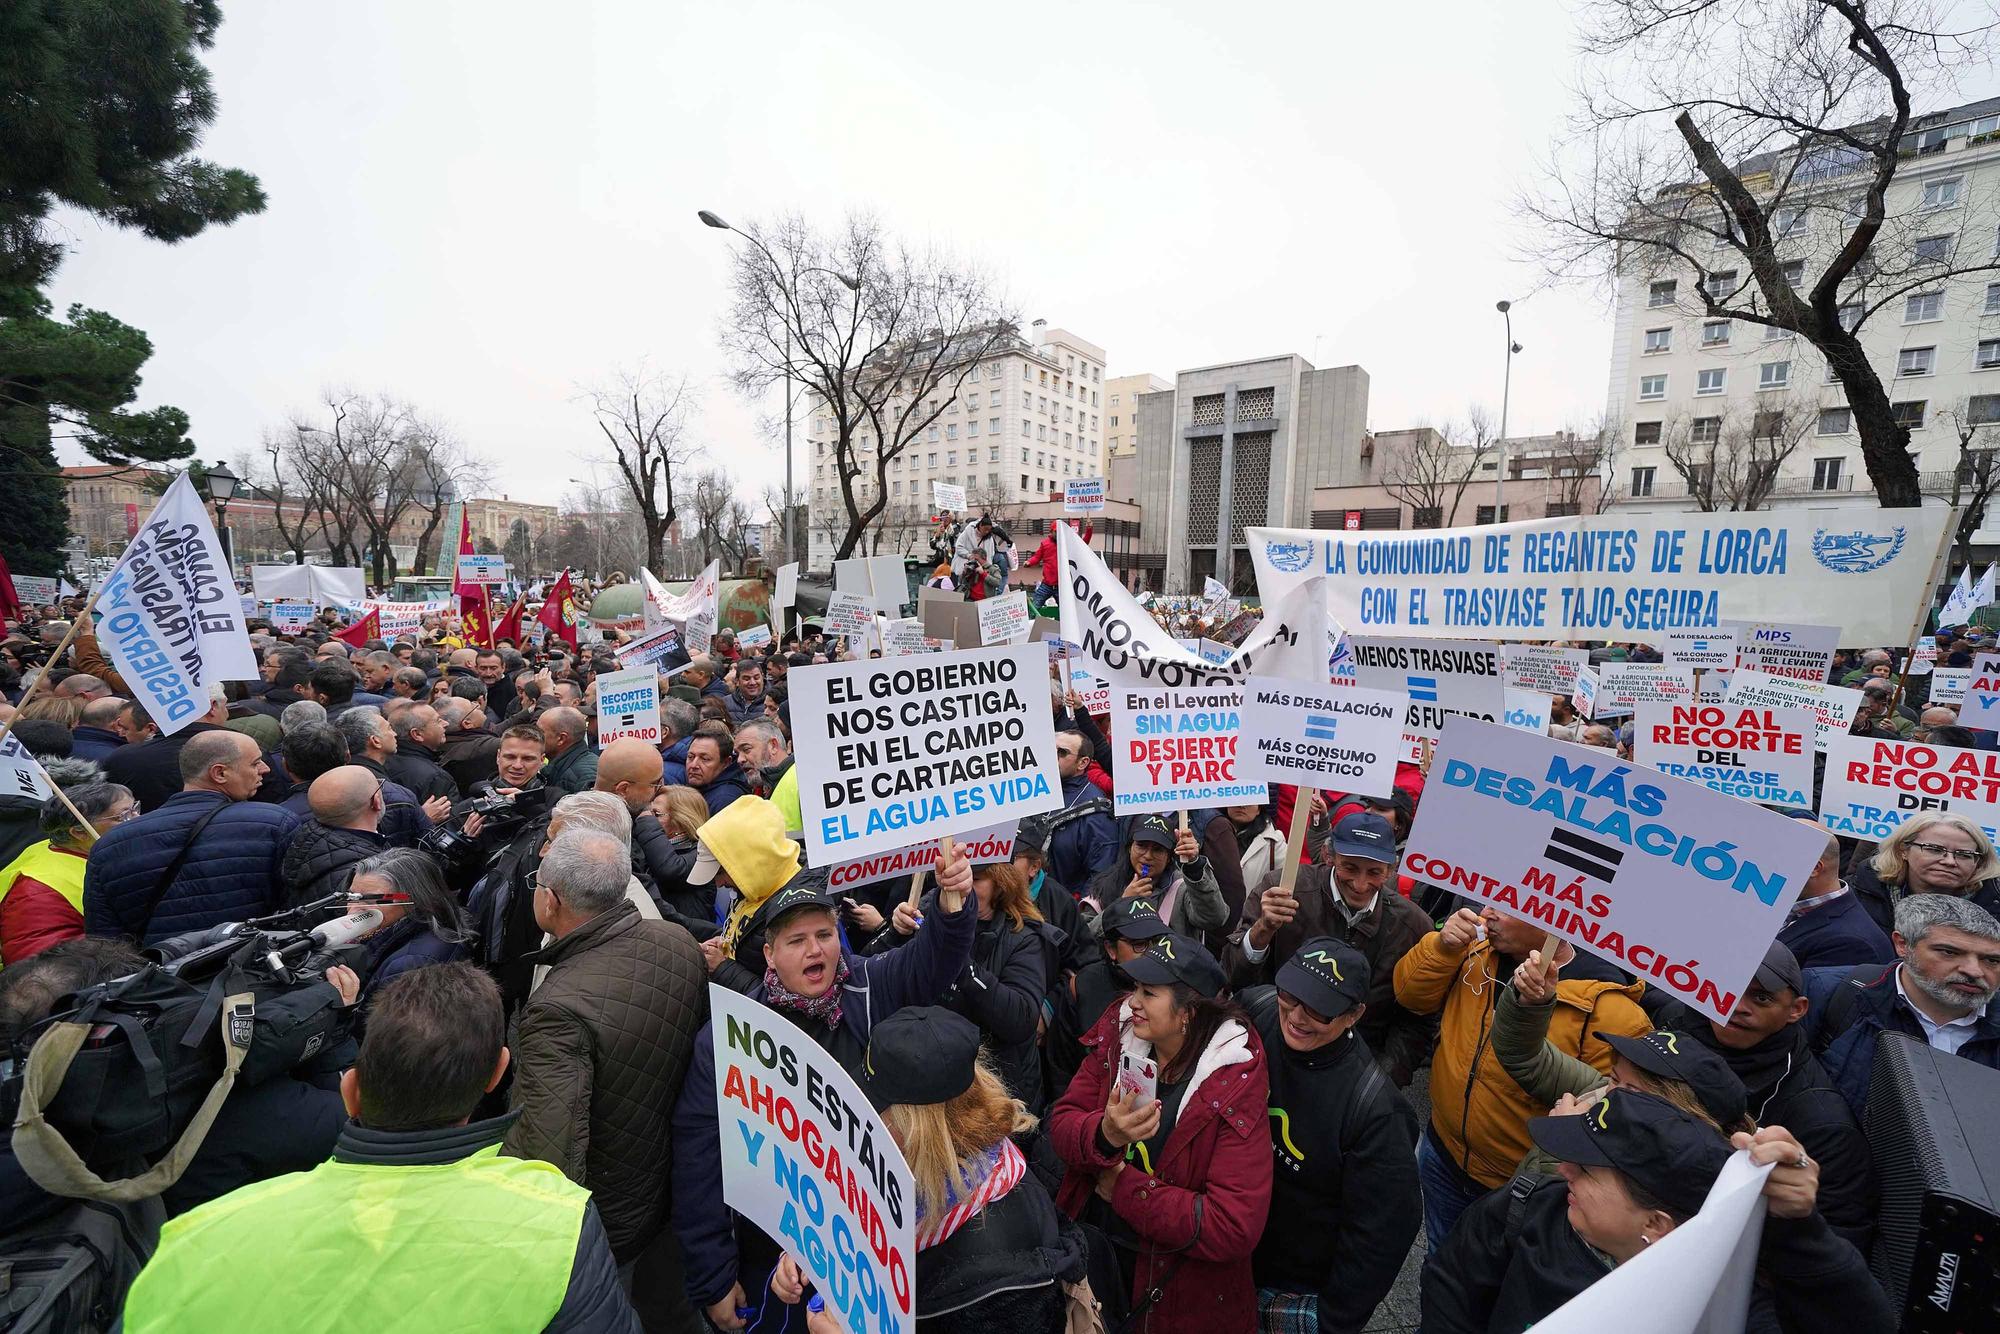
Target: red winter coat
(1203, 1208)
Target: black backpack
(69, 1274)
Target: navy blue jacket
(1082, 845)
(1874, 1008)
(877, 986)
(405, 947)
(673, 763)
(1841, 933)
(403, 819)
(727, 786)
(93, 743)
(234, 870)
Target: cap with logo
(1327, 976)
(1365, 834)
(806, 891)
(1154, 829)
(1175, 958)
(1667, 1152)
(1672, 1055)
(921, 1054)
(1131, 919)
(1780, 971)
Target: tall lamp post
(1506, 389)
(710, 219)
(222, 486)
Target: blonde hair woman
(1934, 852)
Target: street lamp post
(222, 485)
(1506, 389)
(711, 219)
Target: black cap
(1672, 1055)
(1131, 919)
(1327, 975)
(1154, 829)
(805, 891)
(1032, 834)
(919, 1055)
(1780, 971)
(1365, 834)
(1666, 1152)
(1176, 958)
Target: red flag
(559, 612)
(10, 601)
(367, 628)
(510, 624)
(474, 628)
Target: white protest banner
(787, 591)
(1093, 690)
(1924, 658)
(755, 637)
(1178, 748)
(1584, 698)
(1083, 495)
(700, 633)
(1702, 650)
(1981, 708)
(1343, 738)
(653, 600)
(1622, 686)
(1442, 677)
(1213, 589)
(980, 847)
(173, 621)
(1617, 576)
(1683, 887)
(628, 704)
(849, 615)
(1694, 1280)
(698, 602)
(1871, 787)
(397, 619)
(1527, 710)
(807, 1159)
(904, 636)
(1958, 603)
(1760, 755)
(1948, 685)
(21, 774)
(650, 649)
(249, 605)
(906, 750)
(1004, 620)
(482, 569)
(1801, 652)
(321, 585)
(1210, 651)
(35, 590)
(1544, 668)
(946, 496)
(1832, 707)
(291, 615)
(879, 578)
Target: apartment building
(1748, 416)
(1029, 414)
(1121, 411)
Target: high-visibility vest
(60, 871)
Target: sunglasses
(1286, 998)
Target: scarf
(824, 1007)
(999, 1170)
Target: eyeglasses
(1956, 854)
(1286, 998)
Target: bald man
(95, 734)
(572, 763)
(347, 805)
(630, 770)
(82, 686)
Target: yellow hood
(750, 841)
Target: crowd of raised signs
(1149, 1064)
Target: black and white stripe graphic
(1594, 859)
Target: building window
(934, 433)
(1982, 409)
(993, 453)
(1646, 433)
(1909, 414)
(1114, 400)
(1661, 293)
(1659, 340)
(1849, 315)
(1719, 285)
(1027, 427)
(1916, 361)
(1024, 481)
(1642, 481)
(1931, 250)
(1836, 421)
(993, 398)
(951, 431)
(1715, 333)
(1774, 375)
(1920, 307)
(1794, 272)
(1992, 299)
(1826, 474)
(1787, 220)
(1709, 381)
(972, 427)
(1705, 430)
(1485, 514)
(1652, 386)
(1772, 333)
(1942, 194)
(1989, 354)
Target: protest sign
(699, 631)
(1682, 886)
(881, 578)
(1832, 707)
(321, 585)
(1701, 650)
(650, 650)
(1083, 495)
(755, 637)
(291, 615)
(1948, 685)
(1442, 677)
(849, 615)
(1004, 620)
(1544, 668)
(1213, 589)
(1622, 686)
(1981, 708)
(946, 496)
(806, 1158)
(1801, 652)
(173, 621)
(1178, 748)
(980, 847)
(21, 773)
(249, 605)
(901, 751)
(1923, 658)
(904, 636)
(1617, 576)
(628, 704)
(1093, 690)
(398, 619)
(1210, 651)
(1584, 698)
(1755, 754)
(1527, 710)
(1871, 787)
(482, 569)
(1343, 738)
(35, 590)
(787, 591)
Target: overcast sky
(484, 207)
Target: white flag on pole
(21, 774)
(1985, 595)
(1958, 606)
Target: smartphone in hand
(1139, 1080)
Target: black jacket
(1345, 1203)
(152, 769)
(320, 860)
(418, 770)
(1880, 899)
(663, 863)
(1003, 1269)
(1491, 1276)
(468, 757)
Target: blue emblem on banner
(1289, 557)
(1857, 552)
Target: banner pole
(1924, 605)
(1295, 838)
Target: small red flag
(509, 628)
(10, 601)
(367, 628)
(559, 612)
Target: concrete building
(1121, 411)
(1028, 415)
(1236, 446)
(107, 503)
(1752, 412)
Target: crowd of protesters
(531, 1024)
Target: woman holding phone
(1179, 1174)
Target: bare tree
(1587, 454)
(1738, 155)
(1970, 485)
(1732, 461)
(881, 335)
(597, 533)
(722, 520)
(644, 416)
(1429, 469)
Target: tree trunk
(1885, 444)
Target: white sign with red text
(1872, 786)
(1760, 755)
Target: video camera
(503, 813)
